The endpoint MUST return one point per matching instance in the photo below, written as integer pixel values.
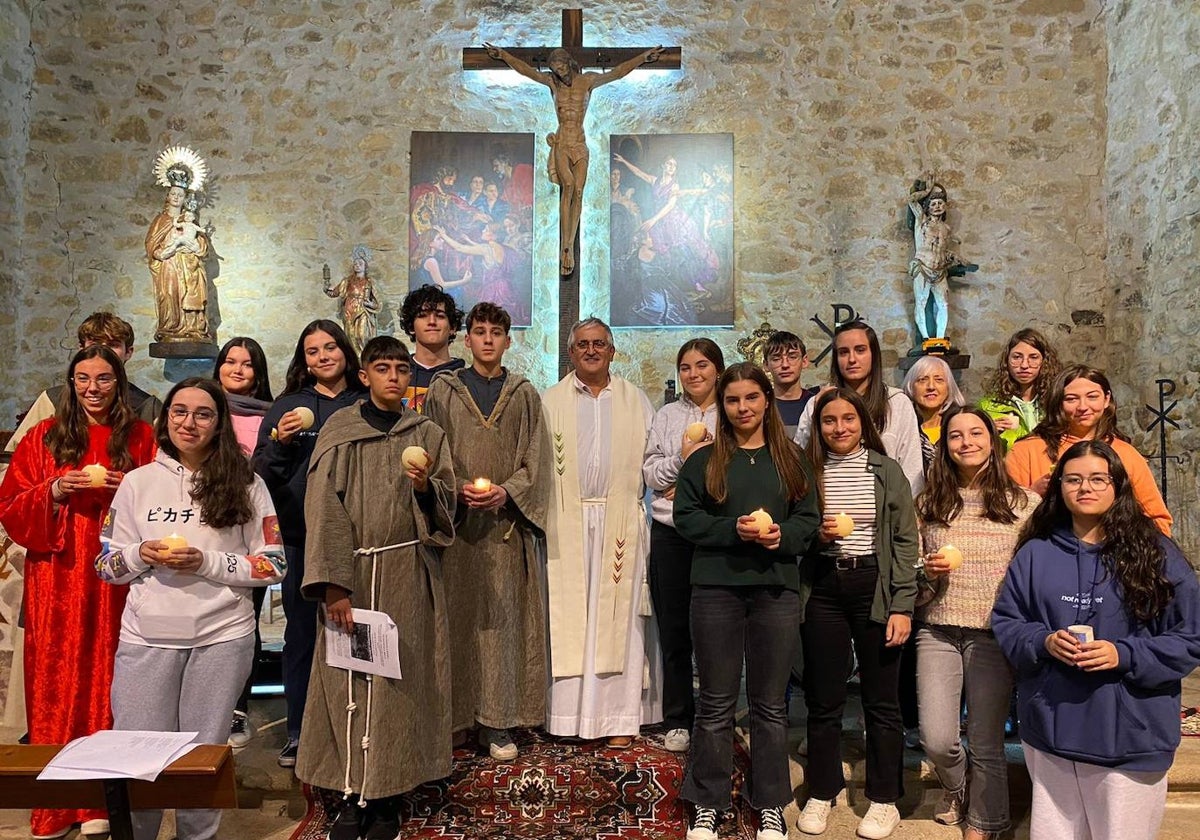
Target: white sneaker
(94, 827)
(880, 821)
(771, 825)
(677, 740)
(241, 730)
(815, 816)
(704, 826)
(499, 743)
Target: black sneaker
(287, 756)
(348, 824)
(384, 826)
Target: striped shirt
(850, 488)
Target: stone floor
(271, 802)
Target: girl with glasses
(55, 508)
(191, 534)
(1018, 387)
(1080, 407)
(1099, 614)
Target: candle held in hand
(173, 541)
(844, 523)
(763, 520)
(414, 457)
(96, 473)
(952, 556)
(482, 485)
(696, 432)
(305, 415)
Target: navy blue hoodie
(1127, 717)
(284, 467)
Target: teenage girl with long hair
(1100, 615)
(679, 428)
(859, 579)
(53, 508)
(745, 594)
(187, 632)
(971, 505)
(1018, 387)
(1079, 406)
(321, 379)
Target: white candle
(763, 520)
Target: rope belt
(351, 706)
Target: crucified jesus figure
(571, 90)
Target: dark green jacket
(896, 542)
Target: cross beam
(604, 59)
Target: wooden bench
(203, 778)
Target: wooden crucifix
(571, 89)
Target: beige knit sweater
(966, 595)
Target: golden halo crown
(179, 166)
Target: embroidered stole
(624, 531)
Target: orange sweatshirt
(1028, 461)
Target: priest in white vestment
(606, 670)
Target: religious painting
(470, 218)
(671, 230)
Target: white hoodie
(173, 609)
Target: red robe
(72, 619)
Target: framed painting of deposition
(470, 218)
(671, 230)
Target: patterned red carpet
(555, 789)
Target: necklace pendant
(751, 457)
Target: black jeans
(839, 612)
(299, 639)
(732, 624)
(671, 593)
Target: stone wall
(303, 111)
(16, 79)
(1153, 218)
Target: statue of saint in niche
(572, 90)
(359, 307)
(933, 262)
(176, 248)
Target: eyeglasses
(583, 344)
(103, 381)
(1099, 481)
(202, 417)
(793, 356)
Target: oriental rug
(555, 789)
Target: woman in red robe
(53, 506)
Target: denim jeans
(732, 624)
(949, 659)
(671, 592)
(299, 639)
(839, 612)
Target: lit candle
(414, 457)
(763, 520)
(844, 523)
(173, 541)
(305, 415)
(951, 555)
(696, 432)
(96, 473)
(482, 485)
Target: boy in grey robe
(361, 496)
(494, 577)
